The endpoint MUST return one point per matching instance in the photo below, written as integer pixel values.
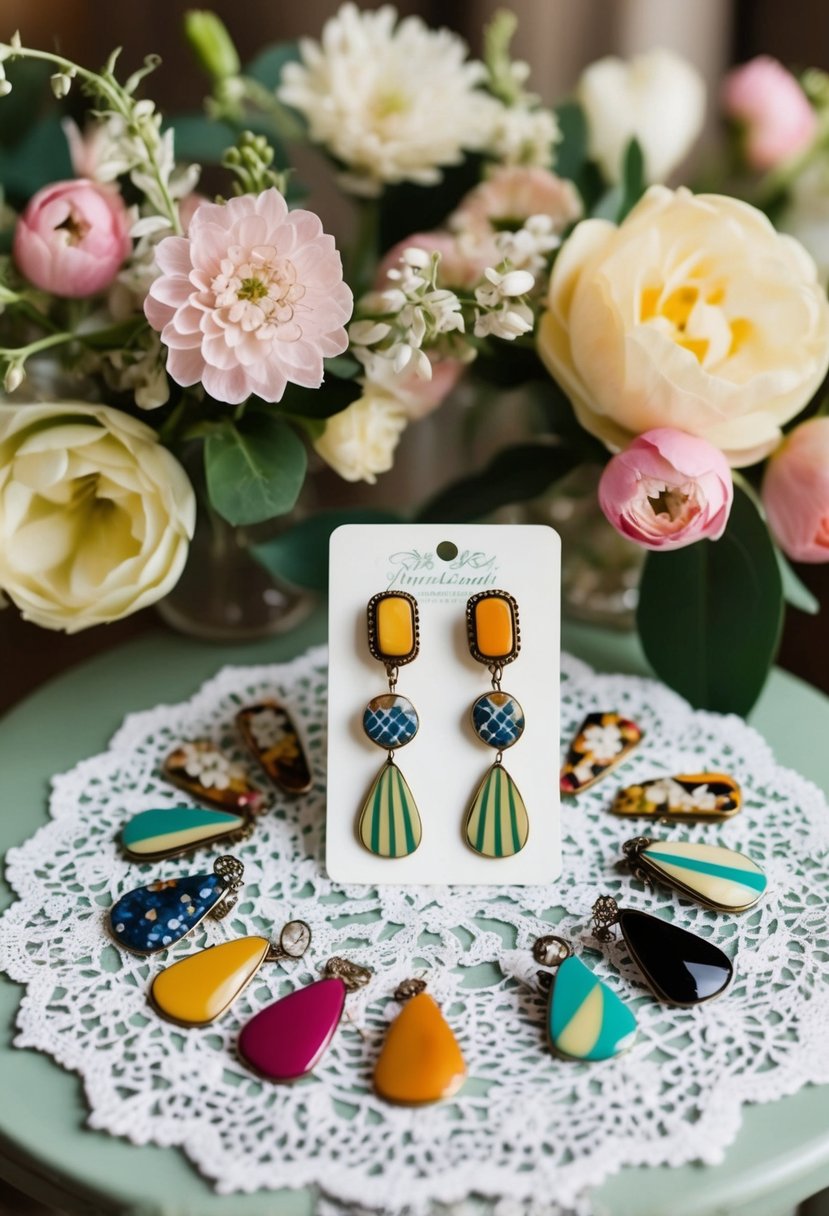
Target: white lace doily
(527, 1124)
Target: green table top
(781, 1154)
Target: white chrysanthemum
(392, 102)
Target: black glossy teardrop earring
(679, 967)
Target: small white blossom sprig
(137, 145)
(523, 131)
(530, 246)
(402, 326)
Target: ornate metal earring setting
(496, 823)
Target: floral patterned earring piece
(585, 1019)
(496, 823)
(688, 796)
(679, 967)
(154, 917)
(717, 877)
(602, 742)
(420, 1061)
(204, 771)
(286, 1040)
(273, 739)
(198, 989)
(389, 822)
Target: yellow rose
(359, 442)
(95, 515)
(693, 313)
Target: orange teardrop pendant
(421, 1061)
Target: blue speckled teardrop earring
(154, 917)
(389, 823)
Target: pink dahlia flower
(667, 489)
(73, 238)
(251, 299)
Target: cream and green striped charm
(715, 876)
(585, 1020)
(389, 823)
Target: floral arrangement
(677, 340)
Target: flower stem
(104, 86)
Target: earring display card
(445, 763)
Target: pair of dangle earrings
(496, 823)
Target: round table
(780, 1157)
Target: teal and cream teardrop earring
(389, 823)
(496, 823)
(585, 1019)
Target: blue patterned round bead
(498, 719)
(390, 720)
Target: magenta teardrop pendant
(288, 1039)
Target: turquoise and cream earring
(389, 823)
(585, 1019)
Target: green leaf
(710, 615)
(796, 592)
(300, 555)
(633, 179)
(609, 205)
(202, 139)
(269, 64)
(255, 469)
(342, 366)
(571, 150)
(408, 208)
(40, 158)
(515, 475)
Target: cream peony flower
(359, 442)
(658, 98)
(392, 103)
(95, 515)
(694, 314)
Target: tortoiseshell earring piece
(389, 823)
(496, 823)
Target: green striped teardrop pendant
(389, 824)
(497, 824)
(585, 1019)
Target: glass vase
(224, 593)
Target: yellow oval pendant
(421, 1061)
(198, 989)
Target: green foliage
(335, 395)
(254, 468)
(212, 44)
(571, 150)
(796, 592)
(710, 614)
(408, 208)
(202, 139)
(269, 64)
(41, 157)
(300, 555)
(515, 474)
(633, 179)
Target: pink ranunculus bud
(73, 238)
(768, 101)
(667, 489)
(796, 492)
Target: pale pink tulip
(251, 299)
(73, 238)
(768, 101)
(667, 489)
(796, 492)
